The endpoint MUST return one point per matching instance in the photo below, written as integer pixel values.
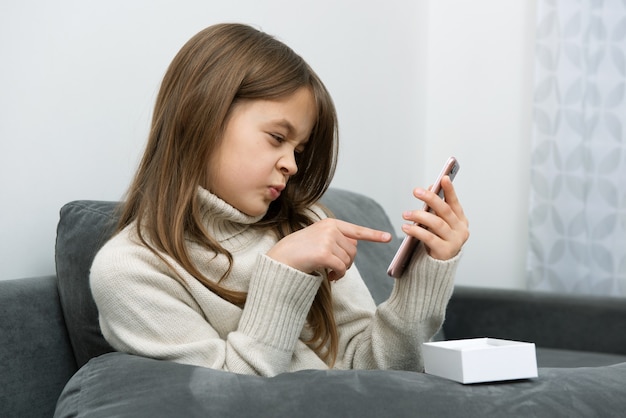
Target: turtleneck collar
(223, 221)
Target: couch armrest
(35, 353)
(572, 322)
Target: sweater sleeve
(145, 311)
(390, 336)
(274, 315)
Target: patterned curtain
(578, 164)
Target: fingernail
(419, 192)
(406, 214)
(386, 236)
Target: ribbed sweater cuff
(279, 299)
(424, 292)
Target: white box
(480, 360)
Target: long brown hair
(216, 68)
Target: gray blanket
(122, 385)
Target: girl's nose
(287, 164)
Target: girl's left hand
(445, 229)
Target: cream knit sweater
(145, 311)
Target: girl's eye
(277, 138)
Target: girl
(223, 259)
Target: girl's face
(256, 156)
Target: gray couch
(52, 350)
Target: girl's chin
(255, 212)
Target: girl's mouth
(276, 190)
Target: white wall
(480, 62)
(413, 83)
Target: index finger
(362, 233)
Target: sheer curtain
(578, 165)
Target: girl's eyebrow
(291, 130)
(285, 124)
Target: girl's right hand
(328, 244)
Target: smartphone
(409, 244)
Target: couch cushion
(122, 385)
(85, 226)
